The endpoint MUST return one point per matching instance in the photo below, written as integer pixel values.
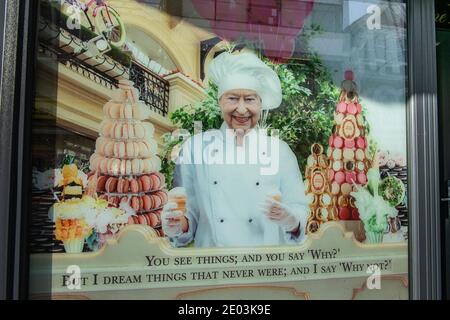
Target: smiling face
(241, 108)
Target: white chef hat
(246, 71)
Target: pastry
(337, 165)
(349, 143)
(337, 154)
(362, 178)
(139, 131)
(111, 185)
(341, 107)
(338, 142)
(128, 167)
(346, 188)
(350, 177)
(134, 186)
(351, 108)
(101, 181)
(361, 142)
(135, 203)
(344, 213)
(146, 183)
(359, 154)
(147, 202)
(348, 154)
(339, 177)
(119, 149)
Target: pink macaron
(349, 143)
(147, 202)
(338, 142)
(361, 142)
(362, 178)
(330, 174)
(330, 141)
(350, 177)
(339, 177)
(351, 108)
(146, 183)
(358, 108)
(341, 107)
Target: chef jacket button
(264, 153)
(250, 220)
(215, 182)
(221, 220)
(257, 183)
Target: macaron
(330, 174)
(330, 141)
(126, 185)
(161, 177)
(350, 177)
(338, 142)
(156, 201)
(344, 213)
(335, 188)
(349, 143)
(128, 169)
(108, 148)
(130, 153)
(337, 165)
(106, 128)
(101, 181)
(111, 185)
(141, 203)
(135, 203)
(164, 196)
(114, 110)
(339, 177)
(360, 120)
(156, 163)
(362, 178)
(120, 184)
(156, 182)
(153, 220)
(136, 166)
(329, 152)
(348, 154)
(359, 154)
(125, 130)
(142, 219)
(148, 167)
(128, 112)
(124, 199)
(104, 165)
(338, 118)
(117, 131)
(360, 166)
(341, 107)
(123, 167)
(361, 142)
(355, 214)
(351, 108)
(337, 154)
(139, 184)
(146, 183)
(134, 186)
(119, 149)
(114, 166)
(358, 108)
(139, 131)
(343, 201)
(346, 188)
(147, 202)
(130, 220)
(131, 133)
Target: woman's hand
(280, 214)
(173, 221)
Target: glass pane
(184, 147)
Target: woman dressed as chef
(243, 188)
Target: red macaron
(146, 183)
(101, 181)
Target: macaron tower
(125, 162)
(317, 189)
(348, 151)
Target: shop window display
(323, 83)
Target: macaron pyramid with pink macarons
(348, 152)
(125, 164)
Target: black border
(16, 100)
(15, 131)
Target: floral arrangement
(77, 218)
(373, 209)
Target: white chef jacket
(224, 200)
